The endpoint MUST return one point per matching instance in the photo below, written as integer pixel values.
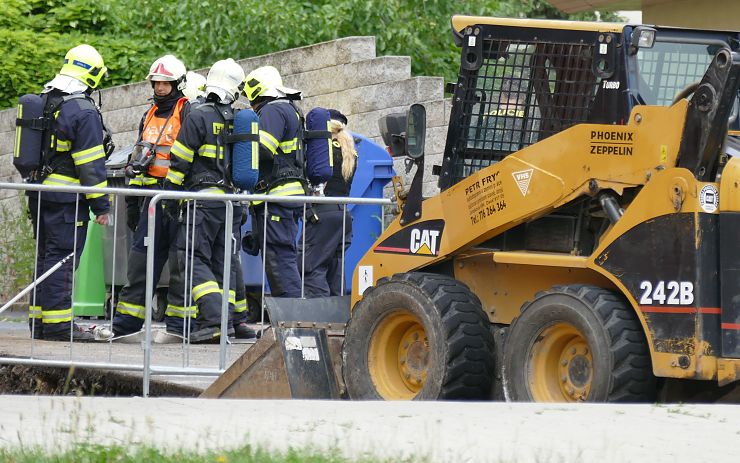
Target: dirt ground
(22, 379)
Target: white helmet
(225, 79)
(195, 85)
(167, 69)
(266, 81)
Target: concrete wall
(344, 74)
(718, 14)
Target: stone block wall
(344, 74)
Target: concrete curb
(421, 431)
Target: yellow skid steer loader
(584, 246)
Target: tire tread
(469, 366)
(632, 378)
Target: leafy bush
(130, 34)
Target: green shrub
(17, 247)
(130, 34)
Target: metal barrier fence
(157, 196)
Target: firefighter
(329, 231)
(280, 174)
(76, 156)
(194, 91)
(195, 86)
(199, 164)
(158, 129)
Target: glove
(132, 214)
(250, 244)
(171, 209)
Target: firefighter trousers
(325, 243)
(129, 316)
(281, 253)
(62, 228)
(200, 255)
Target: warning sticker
(311, 354)
(709, 198)
(365, 275)
(293, 343)
(522, 179)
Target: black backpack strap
(312, 134)
(223, 140)
(235, 137)
(39, 123)
(49, 162)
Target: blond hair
(347, 144)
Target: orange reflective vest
(153, 126)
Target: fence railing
(230, 245)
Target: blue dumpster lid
(374, 164)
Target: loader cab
(672, 67)
(521, 81)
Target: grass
(17, 247)
(119, 454)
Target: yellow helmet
(85, 64)
(266, 81)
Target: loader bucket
(299, 358)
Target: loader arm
(582, 160)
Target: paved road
(436, 432)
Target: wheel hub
(399, 356)
(560, 365)
(575, 370)
(413, 357)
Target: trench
(33, 380)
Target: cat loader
(584, 245)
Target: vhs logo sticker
(522, 179)
(421, 239)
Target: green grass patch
(119, 454)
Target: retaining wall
(344, 74)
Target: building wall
(718, 14)
(345, 74)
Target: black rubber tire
(622, 369)
(461, 362)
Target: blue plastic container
(374, 171)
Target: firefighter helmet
(266, 81)
(195, 85)
(85, 64)
(225, 79)
(167, 69)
